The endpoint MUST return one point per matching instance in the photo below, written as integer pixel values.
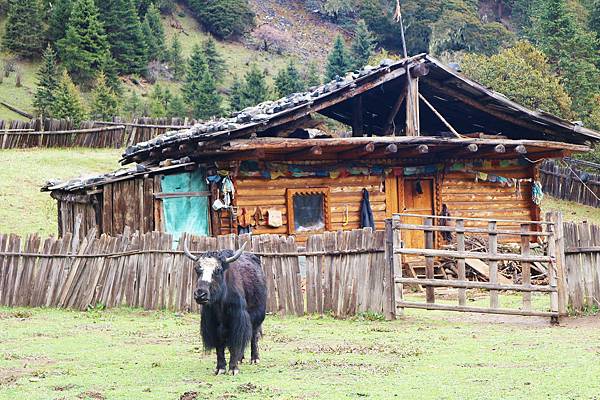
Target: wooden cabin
(421, 139)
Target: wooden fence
(530, 232)
(144, 129)
(582, 260)
(143, 270)
(566, 181)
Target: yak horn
(187, 253)
(236, 255)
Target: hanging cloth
(366, 214)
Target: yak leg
(234, 357)
(221, 363)
(256, 333)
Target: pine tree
(216, 63)
(236, 97)
(154, 34)
(207, 102)
(176, 107)
(104, 101)
(255, 89)
(84, 49)
(194, 74)
(124, 34)
(176, 59)
(313, 78)
(158, 103)
(23, 34)
(110, 69)
(133, 107)
(59, 18)
(362, 46)
(288, 81)
(67, 100)
(224, 18)
(48, 76)
(338, 61)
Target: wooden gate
(494, 231)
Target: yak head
(210, 268)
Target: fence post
(397, 266)
(429, 290)
(525, 266)
(460, 247)
(552, 281)
(561, 275)
(493, 250)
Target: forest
(97, 59)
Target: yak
(232, 290)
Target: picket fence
(143, 270)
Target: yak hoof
(220, 371)
(255, 361)
(234, 371)
(241, 360)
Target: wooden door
(418, 199)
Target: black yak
(232, 290)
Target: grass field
(133, 354)
(23, 208)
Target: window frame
(304, 192)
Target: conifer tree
(255, 89)
(313, 77)
(84, 49)
(362, 46)
(176, 107)
(48, 76)
(133, 107)
(67, 100)
(176, 59)
(105, 103)
(194, 74)
(154, 34)
(124, 34)
(288, 80)
(23, 34)
(58, 20)
(216, 63)
(208, 102)
(338, 61)
(159, 100)
(236, 97)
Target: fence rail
(567, 182)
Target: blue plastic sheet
(185, 214)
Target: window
(308, 210)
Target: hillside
(303, 35)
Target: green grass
(130, 354)
(20, 97)
(23, 208)
(572, 211)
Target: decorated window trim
(290, 193)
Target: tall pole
(410, 107)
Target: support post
(357, 117)
(397, 263)
(561, 273)
(552, 281)
(525, 266)
(493, 249)
(429, 290)
(389, 270)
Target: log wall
(467, 198)
(344, 193)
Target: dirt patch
(22, 315)
(63, 388)
(91, 395)
(351, 348)
(189, 396)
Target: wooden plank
(460, 263)
(484, 270)
(525, 266)
(477, 285)
(483, 310)
(429, 291)
(397, 266)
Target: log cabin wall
(344, 192)
(68, 212)
(464, 196)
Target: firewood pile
(510, 269)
